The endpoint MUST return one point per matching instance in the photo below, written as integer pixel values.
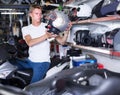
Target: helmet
(84, 10)
(58, 22)
(81, 12)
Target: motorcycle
(11, 75)
(78, 81)
(10, 90)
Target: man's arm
(30, 42)
(63, 39)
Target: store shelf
(99, 50)
(94, 49)
(101, 19)
(24, 6)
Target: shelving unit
(112, 17)
(108, 57)
(100, 50)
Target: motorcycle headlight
(58, 22)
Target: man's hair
(32, 7)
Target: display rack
(108, 18)
(105, 51)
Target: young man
(36, 36)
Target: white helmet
(58, 21)
(84, 10)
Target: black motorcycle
(11, 75)
(10, 90)
(78, 81)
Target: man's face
(36, 15)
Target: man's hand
(69, 26)
(50, 35)
(68, 29)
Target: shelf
(108, 18)
(100, 50)
(14, 6)
(104, 51)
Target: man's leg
(39, 70)
(21, 64)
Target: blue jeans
(39, 68)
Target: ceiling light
(5, 9)
(14, 13)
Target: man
(36, 36)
